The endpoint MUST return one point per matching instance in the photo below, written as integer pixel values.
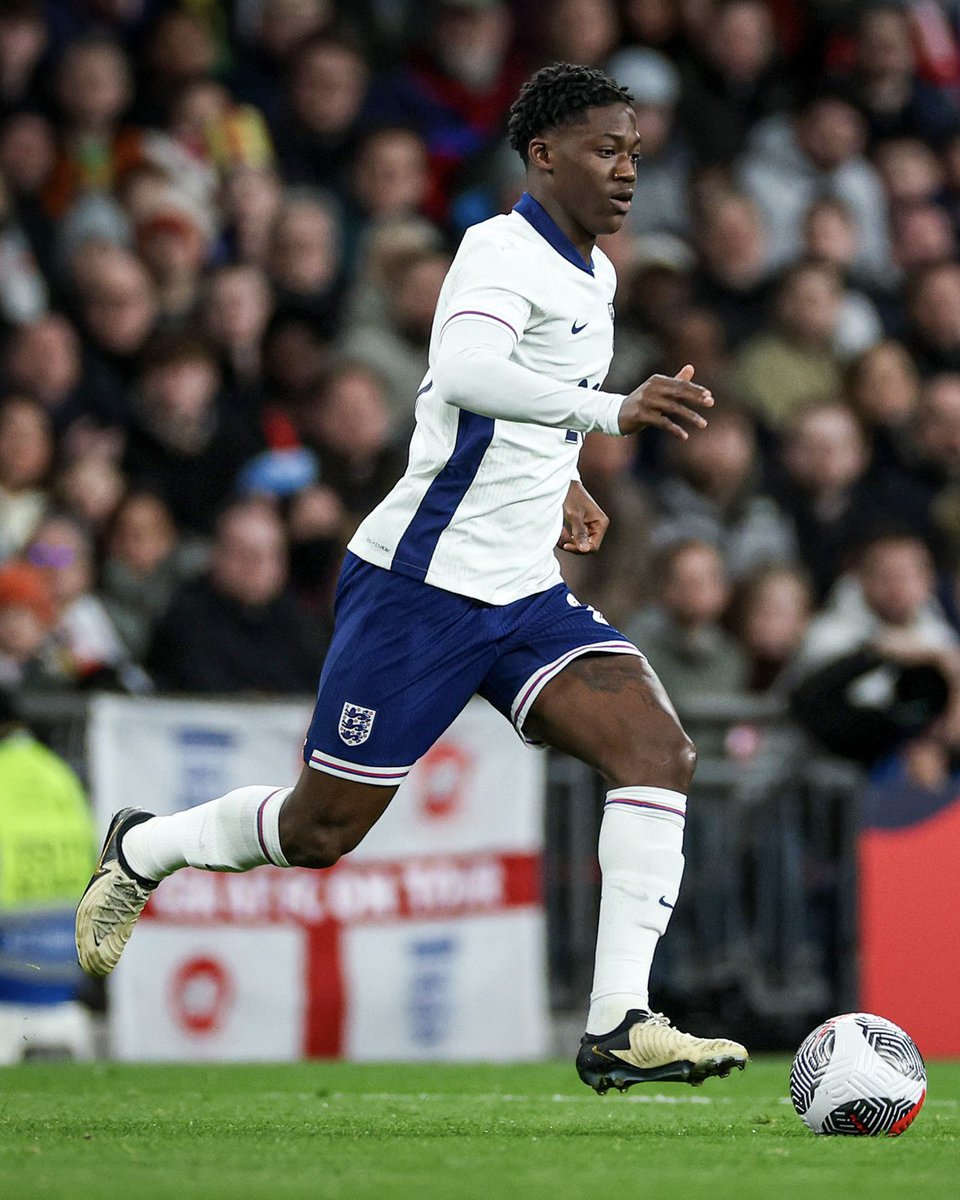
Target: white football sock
(234, 833)
(641, 860)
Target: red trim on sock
(260, 837)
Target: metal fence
(763, 940)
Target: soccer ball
(858, 1074)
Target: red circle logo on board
(443, 779)
(200, 994)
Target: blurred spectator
(712, 494)
(315, 524)
(826, 489)
(141, 191)
(697, 336)
(43, 358)
(348, 424)
(732, 81)
(895, 101)
(28, 614)
(184, 442)
(927, 487)
(89, 488)
(23, 43)
(237, 629)
(795, 363)
(389, 184)
(932, 303)
(397, 348)
(27, 157)
(653, 296)
(250, 202)
(456, 90)
(295, 356)
(173, 241)
(791, 161)
(316, 138)
(580, 31)
(681, 634)
(238, 307)
(910, 170)
(922, 235)
(883, 388)
(878, 666)
(830, 234)
(26, 457)
(733, 279)
(93, 90)
(769, 615)
(305, 256)
(386, 247)
(389, 177)
(47, 846)
(117, 306)
(891, 587)
(144, 564)
(660, 192)
(88, 648)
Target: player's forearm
(472, 371)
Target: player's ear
(538, 153)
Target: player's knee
(314, 846)
(686, 763)
(665, 758)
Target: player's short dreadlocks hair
(556, 95)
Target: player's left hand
(584, 521)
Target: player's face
(594, 167)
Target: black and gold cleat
(645, 1048)
(113, 900)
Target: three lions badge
(355, 724)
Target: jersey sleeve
(473, 370)
(489, 285)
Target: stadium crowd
(224, 229)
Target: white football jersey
(479, 509)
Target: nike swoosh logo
(575, 328)
(663, 901)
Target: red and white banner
(428, 941)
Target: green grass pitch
(341, 1131)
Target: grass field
(345, 1131)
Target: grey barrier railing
(763, 939)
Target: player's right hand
(666, 402)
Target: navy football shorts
(406, 657)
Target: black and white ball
(858, 1074)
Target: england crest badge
(355, 723)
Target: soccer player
(450, 587)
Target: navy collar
(534, 212)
